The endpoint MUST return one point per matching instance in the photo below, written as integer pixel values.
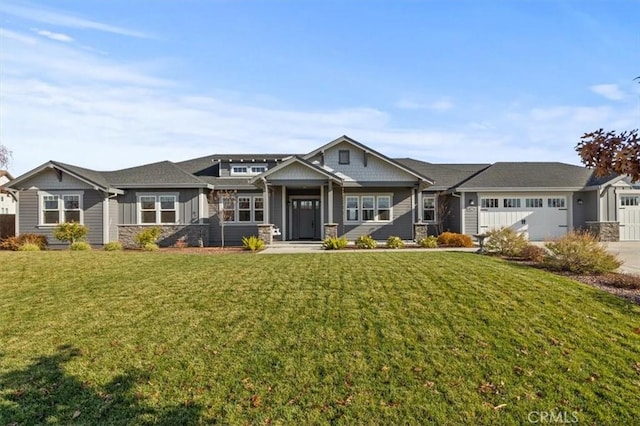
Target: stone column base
(331, 230)
(420, 231)
(604, 231)
(265, 233)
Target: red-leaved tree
(611, 152)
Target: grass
(411, 338)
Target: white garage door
(629, 217)
(539, 217)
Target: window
(343, 156)
(58, 208)
(534, 203)
(352, 208)
(158, 209)
(489, 203)
(243, 208)
(555, 202)
(258, 209)
(511, 203)
(630, 200)
(248, 170)
(429, 209)
(368, 208)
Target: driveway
(629, 252)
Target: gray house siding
(470, 213)
(187, 205)
(275, 209)
(401, 225)
(587, 211)
(610, 208)
(113, 219)
(233, 232)
(29, 211)
(451, 222)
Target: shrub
(366, 242)
(70, 232)
(581, 253)
(150, 247)
(148, 236)
(429, 242)
(253, 243)
(533, 253)
(29, 247)
(113, 246)
(394, 242)
(451, 239)
(628, 281)
(334, 243)
(80, 246)
(505, 242)
(14, 243)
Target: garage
(540, 217)
(629, 216)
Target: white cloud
(51, 17)
(609, 91)
(54, 36)
(444, 104)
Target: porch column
(322, 211)
(284, 214)
(420, 205)
(330, 202)
(265, 196)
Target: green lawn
(413, 337)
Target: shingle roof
(90, 175)
(444, 176)
(162, 173)
(201, 165)
(530, 175)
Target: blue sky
(114, 84)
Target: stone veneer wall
(604, 231)
(420, 231)
(265, 233)
(192, 234)
(331, 230)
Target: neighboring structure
(7, 202)
(341, 188)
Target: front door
(305, 216)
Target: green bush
(113, 246)
(150, 247)
(334, 243)
(394, 242)
(505, 242)
(80, 246)
(366, 242)
(253, 243)
(147, 236)
(29, 247)
(429, 242)
(581, 253)
(14, 243)
(533, 253)
(451, 239)
(70, 232)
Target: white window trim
(435, 208)
(375, 207)
(60, 195)
(157, 196)
(249, 167)
(236, 213)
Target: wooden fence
(7, 225)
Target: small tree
(70, 232)
(443, 210)
(5, 157)
(224, 202)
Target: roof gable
(296, 168)
(88, 177)
(162, 174)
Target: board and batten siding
(113, 219)
(188, 205)
(401, 225)
(29, 210)
(233, 231)
(470, 213)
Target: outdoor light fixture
(471, 202)
(580, 201)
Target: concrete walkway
(629, 253)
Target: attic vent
(343, 156)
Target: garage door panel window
(556, 203)
(534, 203)
(489, 203)
(629, 200)
(511, 203)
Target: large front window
(157, 209)
(243, 208)
(429, 209)
(368, 208)
(58, 208)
